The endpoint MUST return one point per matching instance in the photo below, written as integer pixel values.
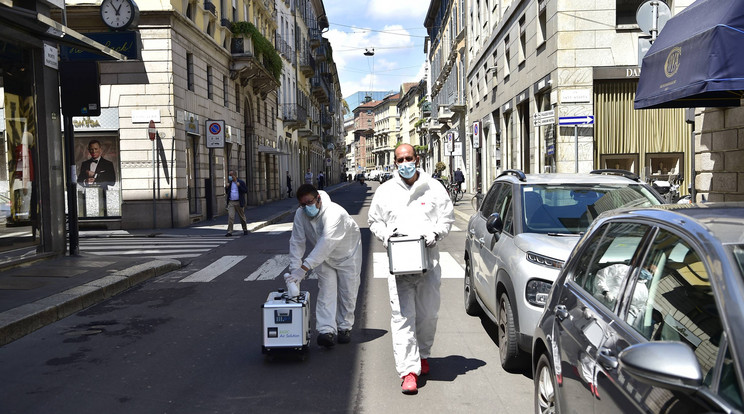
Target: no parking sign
(215, 134)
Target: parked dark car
(520, 237)
(647, 315)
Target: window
(673, 300)
(237, 97)
(210, 83)
(507, 56)
(226, 95)
(522, 51)
(258, 111)
(266, 114)
(190, 71)
(626, 13)
(542, 25)
(606, 261)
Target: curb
(22, 320)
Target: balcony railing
(210, 7)
(307, 64)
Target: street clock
(119, 14)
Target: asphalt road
(174, 346)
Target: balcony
(284, 49)
(293, 115)
(225, 23)
(321, 54)
(444, 115)
(247, 66)
(319, 88)
(326, 120)
(307, 64)
(210, 7)
(315, 37)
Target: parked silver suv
(522, 234)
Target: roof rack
(517, 173)
(622, 173)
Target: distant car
(520, 237)
(4, 207)
(647, 315)
(385, 176)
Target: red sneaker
(424, 366)
(409, 385)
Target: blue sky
(393, 28)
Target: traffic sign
(543, 118)
(151, 130)
(215, 134)
(576, 120)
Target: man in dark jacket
(235, 191)
(96, 170)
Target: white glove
(431, 239)
(295, 276)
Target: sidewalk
(41, 292)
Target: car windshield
(570, 208)
(739, 256)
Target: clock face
(118, 14)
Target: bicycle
(455, 192)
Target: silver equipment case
(407, 255)
(286, 322)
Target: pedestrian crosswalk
(181, 247)
(273, 268)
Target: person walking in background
(321, 180)
(289, 185)
(336, 257)
(459, 179)
(235, 191)
(309, 177)
(412, 203)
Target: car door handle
(606, 358)
(481, 241)
(561, 312)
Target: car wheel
(472, 307)
(508, 348)
(545, 387)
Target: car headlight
(544, 260)
(537, 292)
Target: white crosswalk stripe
(157, 247)
(214, 270)
(451, 269)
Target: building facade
(550, 88)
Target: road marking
(450, 268)
(217, 268)
(275, 229)
(270, 269)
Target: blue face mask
(312, 210)
(407, 169)
(229, 178)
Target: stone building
(446, 25)
(550, 87)
(386, 133)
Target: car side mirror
(669, 365)
(494, 224)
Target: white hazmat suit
(336, 257)
(420, 209)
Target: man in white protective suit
(336, 258)
(412, 203)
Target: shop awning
(269, 150)
(42, 28)
(697, 59)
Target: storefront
(32, 197)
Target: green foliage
(440, 167)
(421, 149)
(419, 122)
(261, 47)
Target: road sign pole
(154, 208)
(576, 138)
